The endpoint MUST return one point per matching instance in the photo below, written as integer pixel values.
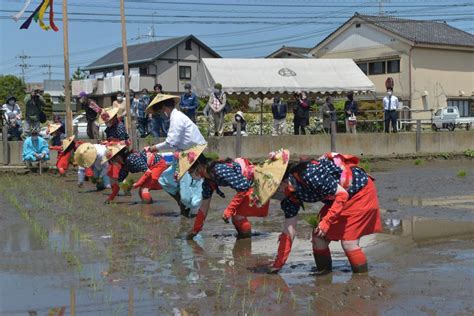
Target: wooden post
(67, 90)
(238, 141)
(333, 136)
(6, 148)
(130, 130)
(72, 297)
(418, 135)
(130, 300)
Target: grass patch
(461, 173)
(419, 162)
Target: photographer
(301, 112)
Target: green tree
(12, 85)
(78, 74)
(48, 106)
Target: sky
(233, 28)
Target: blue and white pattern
(116, 132)
(136, 162)
(320, 181)
(225, 175)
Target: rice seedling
(279, 295)
(419, 162)
(461, 173)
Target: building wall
(365, 43)
(441, 73)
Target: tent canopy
(285, 75)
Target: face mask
(188, 90)
(120, 99)
(217, 91)
(11, 102)
(389, 93)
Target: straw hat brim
(268, 176)
(112, 151)
(187, 158)
(157, 102)
(85, 155)
(67, 142)
(53, 128)
(112, 112)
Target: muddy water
(61, 247)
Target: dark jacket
(351, 106)
(301, 111)
(189, 103)
(91, 115)
(33, 109)
(279, 111)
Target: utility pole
(23, 65)
(381, 2)
(49, 70)
(131, 131)
(67, 87)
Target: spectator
(120, 104)
(390, 106)
(145, 95)
(35, 148)
(91, 115)
(301, 112)
(189, 103)
(12, 115)
(157, 121)
(138, 110)
(328, 113)
(56, 139)
(34, 105)
(217, 102)
(279, 111)
(239, 117)
(350, 111)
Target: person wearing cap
(92, 112)
(350, 211)
(89, 155)
(34, 104)
(152, 164)
(120, 105)
(216, 103)
(239, 174)
(12, 115)
(65, 152)
(189, 103)
(279, 111)
(239, 117)
(35, 148)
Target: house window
(363, 67)
(144, 70)
(358, 25)
(462, 105)
(185, 72)
(189, 45)
(393, 66)
(377, 68)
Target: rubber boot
(145, 196)
(284, 249)
(243, 227)
(323, 260)
(358, 261)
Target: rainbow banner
(38, 15)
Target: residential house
(432, 63)
(291, 52)
(171, 62)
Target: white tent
(284, 75)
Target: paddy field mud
(62, 250)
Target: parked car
(449, 118)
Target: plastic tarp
(286, 75)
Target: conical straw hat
(85, 155)
(107, 115)
(111, 151)
(67, 142)
(187, 158)
(53, 128)
(157, 102)
(268, 176)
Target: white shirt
(392, 105)
(182, 134)
(11, 112)
(100, 154)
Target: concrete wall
(371, 145)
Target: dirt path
(58, 242)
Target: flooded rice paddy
(62, 251)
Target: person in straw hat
(252, 183)
(65, 151)
(91, 156)
(152, 164)
(351, 208)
